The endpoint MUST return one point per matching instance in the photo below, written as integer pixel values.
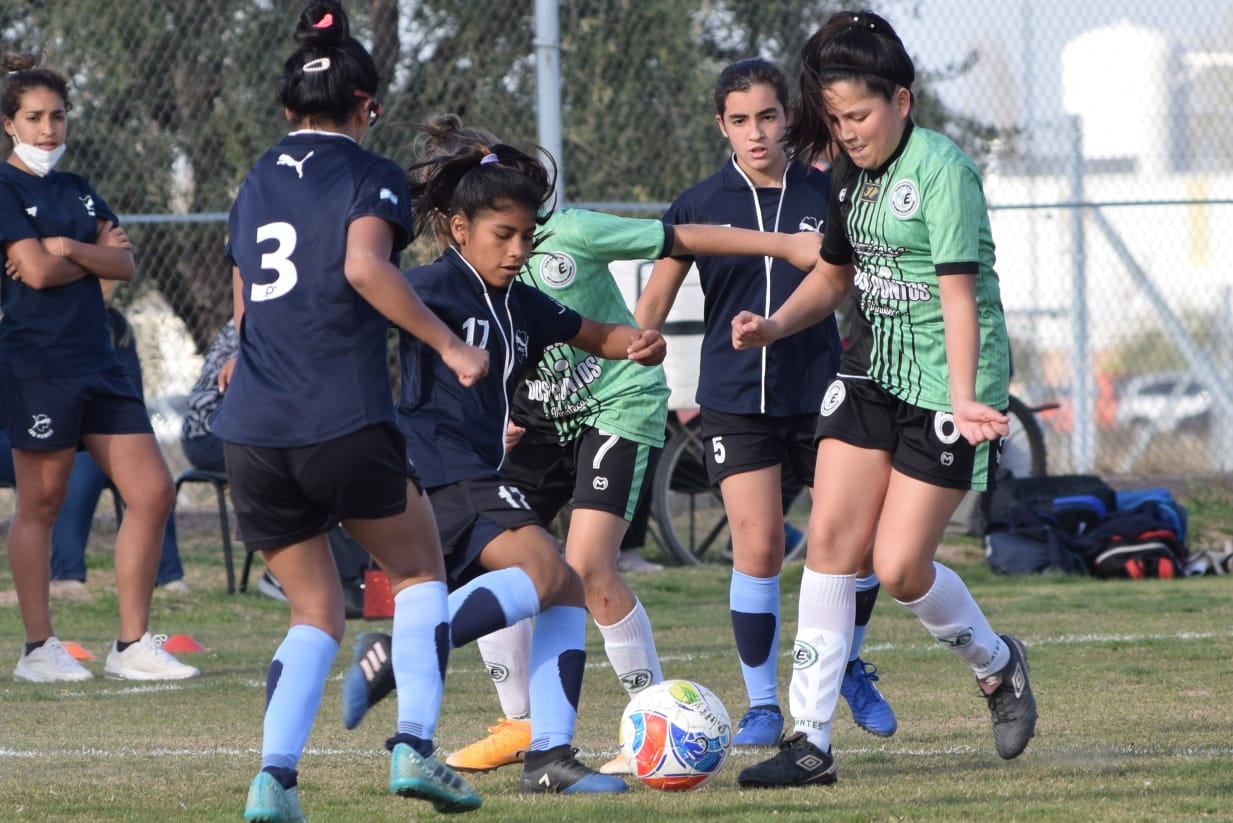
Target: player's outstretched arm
(618, 341)
(798, 248)
(369, 271)
(815, 299)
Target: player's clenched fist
(647, 347)
(469, 363)
(749, 331)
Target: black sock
(287, 778)
(37, 644)
(121, 645)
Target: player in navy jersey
(307, 416)
(759, 408)
(63, 386)
(486, 203)
(913, 419)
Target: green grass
(1130, 679)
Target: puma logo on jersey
(33, 211)
(298, 165)
(88, 202)
(385, 194)
(813, 224)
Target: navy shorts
(471, 513)
(924, 444)
(287, 495)
(49, 413)
(597, 470)
(739, 443)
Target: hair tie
(325, 22)
(489, 158)
(320, 64)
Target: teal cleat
(426, 778)
(269, 802)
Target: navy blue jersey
(788, 377)
(312, 359)
(456, 433)
(61, 331)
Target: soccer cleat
(50, 663)
(505, 744)
(426, 778)
(146, 660)
(617, 765)
(1011, 703)
(869, 708)
(761, 726)
(798, 763)
(794, 542)
(370, 678)
(269, 802)
(270, 587)
(558, 771)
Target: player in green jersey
(915, 416)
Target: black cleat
(370, 678)
(799, 763)
(1011, 703)
(558, 771)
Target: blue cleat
(370, 678)
(558, 771)
(869, 708)
(761, 726)
(269, 802)
(426, 778)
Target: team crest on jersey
(88, 202)
(871, 192)
(905, 199)
(835, 394)
(557, 269)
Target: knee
(905, 582)
(560, 585)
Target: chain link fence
(1105, 133)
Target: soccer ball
(675, 735)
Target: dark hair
(744, 75)
(849, 46)
(331, 72)
(24, 76)
(445, 135)
(475, 178)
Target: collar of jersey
(735, 179)
(317, 133)
(477, 283)
(873, 174)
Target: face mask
(38, 161)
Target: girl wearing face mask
(63, 386)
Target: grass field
(1130, 679)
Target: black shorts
(597, 470)
(53, 413)
(471, 513)
(286, 495)
(739, 443)
(924, 444)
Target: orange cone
(78, 651)
(182, 644)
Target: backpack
(1077, 500)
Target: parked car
(1164, 400)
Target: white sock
(949, 613)
(631, 650)
(826, 610)
(507, 656)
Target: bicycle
(689, 514)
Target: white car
(1164, 400)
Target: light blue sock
(557, 661)
(293, 688)
(754, 602)
(420, 649)
(489, 602)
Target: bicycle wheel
(687, 508)
(1023, 451)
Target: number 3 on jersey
(278, 261)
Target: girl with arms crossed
(760, 409)
(63, 385)
(912, 421)
(307, 419)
